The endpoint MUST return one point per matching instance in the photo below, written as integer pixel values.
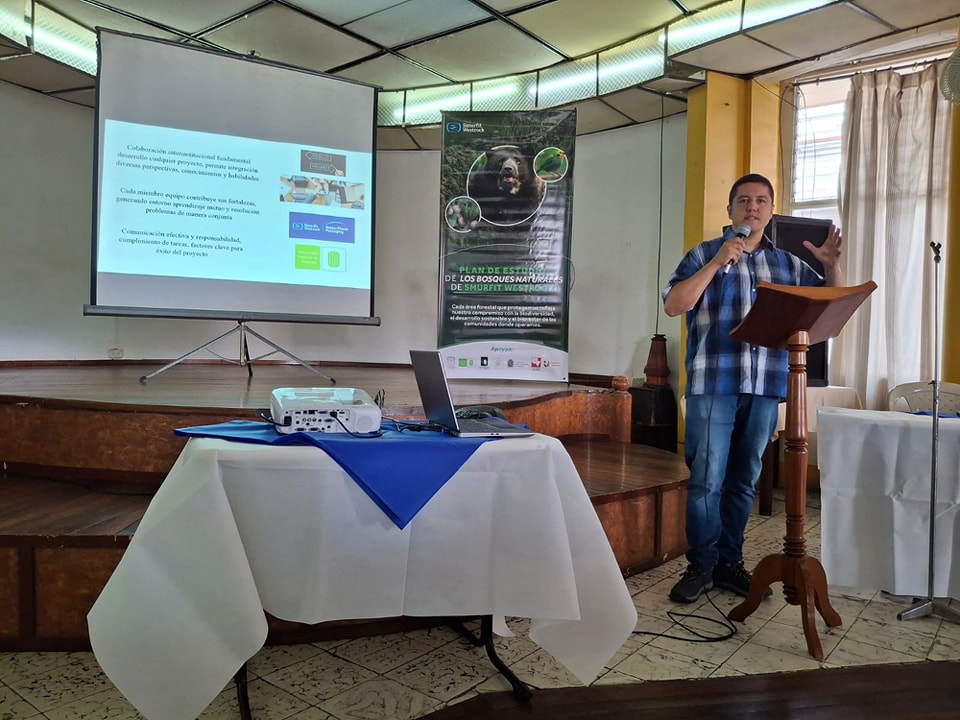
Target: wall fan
(950, 78)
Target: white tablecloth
(875, 473)
(237, 529)
(818, 397)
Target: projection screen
(230, 188)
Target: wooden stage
(84, 446)
(99, 423)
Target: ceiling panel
(891, 50)
(85, 96)
(339, 12)
(8, 47)
(487, 51)
(187, 16)
(642, 106)
(577, 28)
(910, 13)
(283, 35)
(415, 19)
(38, 73)
(93, 17)
(698, 4)
(672, 86)
(390, 73)
(508, 5)
(428, 137)
(736, 55)
(596, 115)
(816, 32)
(395, 138)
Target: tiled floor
(410, 675)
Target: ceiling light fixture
(429, 112)
(50, 34)
(15, 26)
(605, 73)
(85, 56)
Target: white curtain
(893, 204)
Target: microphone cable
(680, 620)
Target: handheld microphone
(740, 231)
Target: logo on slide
(314, 257)
(306, 257)
(322, 227)
(333, 260)
(336, 227)
(325, 163)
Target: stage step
(59, 543)
(640, 495)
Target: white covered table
(819, 397)
(875, 473)
(238, 529)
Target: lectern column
(803, 578)
(795, 450)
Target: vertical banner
(506, 186)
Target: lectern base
(814, 314)
(804, 584)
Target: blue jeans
(726, 436)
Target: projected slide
(229, 187)
(195, 205)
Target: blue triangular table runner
(400, 471)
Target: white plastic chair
(914, 396)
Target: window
(815, 177)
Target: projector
(326, 410)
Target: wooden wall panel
(631, 528)
(68, 582)
(673, 522)
(9, 593)
(93, 443)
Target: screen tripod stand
(245, 359)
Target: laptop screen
(434, 391)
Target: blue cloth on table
(929, 413)
(400, 471)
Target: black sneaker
(735, 578)
(694, 583)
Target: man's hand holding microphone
(740, 233)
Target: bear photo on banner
(503, 183)
(506, 201)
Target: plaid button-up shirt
(715, 363)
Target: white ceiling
(404, 44)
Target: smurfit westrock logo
(455, 126)
(322, 227)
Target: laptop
(438, 405)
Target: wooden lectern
(792, 318)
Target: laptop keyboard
(473, 425)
